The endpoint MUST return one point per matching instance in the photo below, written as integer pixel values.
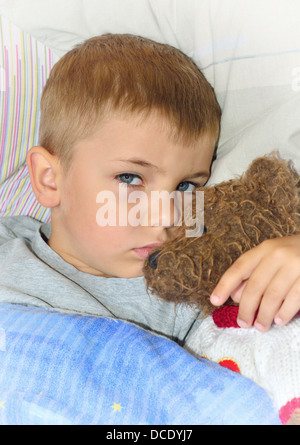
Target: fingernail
(242, 324)
(259, 327)
(214, 299)
(278, 320)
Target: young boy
(118, 113)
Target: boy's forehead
(145, 121)
(144, 142)
(193, 162)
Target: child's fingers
(280, 296)
(233, 279)
(290, 306)
(261, 299)
(238, 292)
(265, 282)
(258, 294)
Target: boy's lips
(144, 251)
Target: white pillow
(249, 51)
(61, 24)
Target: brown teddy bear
(238, 214)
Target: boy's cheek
(107, 239)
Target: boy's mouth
(144, 251)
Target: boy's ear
(44, 172)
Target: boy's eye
(186, 187)
(130, 179)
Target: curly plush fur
(239, 214)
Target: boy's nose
(165, 210)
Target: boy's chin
(120, 270)
(133, 273)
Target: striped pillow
(25, 64)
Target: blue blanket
(70, 369)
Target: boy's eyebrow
(140, 162)
(143, 163)
(201, 174)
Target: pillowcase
(249, 51)
(25, 64)
(17, 197)
(63, 24)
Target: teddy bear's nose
(152, 259)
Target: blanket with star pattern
(79, 370)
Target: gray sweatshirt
(32, 274)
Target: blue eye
(186, 187)
(130, 179)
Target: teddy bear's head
(238, 214)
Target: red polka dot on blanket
(226, 316)
(230, 364)
(288, 409)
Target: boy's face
(124, 156)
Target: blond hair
(131, 74)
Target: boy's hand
(265, 281)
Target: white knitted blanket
(271, 359)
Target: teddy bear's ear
(272, 172)
(272, 183)
(273, 168)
